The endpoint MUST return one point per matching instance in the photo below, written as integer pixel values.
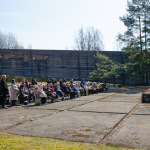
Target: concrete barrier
(146, 96)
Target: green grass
(14, 142)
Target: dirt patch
(76, 134)
(101, 133)
(147, 106)
(86, 130)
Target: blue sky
(53, 24)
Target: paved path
(116, 118)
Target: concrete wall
(52, 63)
(57, 64)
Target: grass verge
(15, 142)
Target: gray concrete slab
(143, 109)
(85, 123)
(70, 125)
(124, 98)
(135, 131)
(12, 116)
(106, 107)
(68, 104)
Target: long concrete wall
(52, 63)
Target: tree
(136, 38)
(89, 40)
(9, 41)
(107, 68)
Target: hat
(13, 80)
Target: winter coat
(13, 91)
(74, 89)
(4, 88)
(42, 93)
(83, 83)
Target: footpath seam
(104, 140)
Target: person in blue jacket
(58, 91)
(83, 82)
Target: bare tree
(9, 41)
(2, 41)
(89, 40)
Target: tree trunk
(141, 48)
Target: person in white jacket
(42, 95)
(13, 91)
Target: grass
(15, 142)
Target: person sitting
(58, 91)
(34, 82)
(50, 93)
(74, 88)
(37, 95)
(64, 80)
(48, 81)
(86, 89)
(104, 86)
(94, 88)
(31, 93)
(90, 90)
(53, 95)
(42, 95)
(53, 81)
(21, 94)
(67, 90)
(26, 93)
(71, 83)
(63, 87)
(60, 82)
(80, 88)
(99, 87)
(27, 82)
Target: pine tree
(107, 68)
(137, 36)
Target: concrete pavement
(115, 118)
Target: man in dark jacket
(4, 91)
(67, 90)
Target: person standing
(13, 91)
(83, 82)
(4, 91)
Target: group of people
(40, 93)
